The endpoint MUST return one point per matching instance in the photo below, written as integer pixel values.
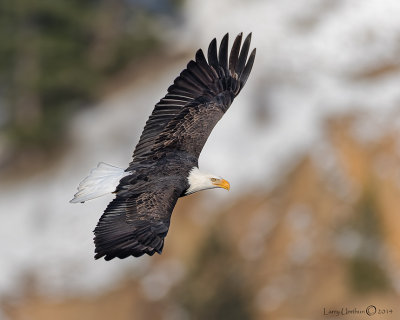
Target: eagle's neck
(198, 181)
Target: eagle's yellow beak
(222, 183)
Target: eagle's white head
(201, 181)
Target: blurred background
(311, 148)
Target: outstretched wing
(199, 97)
(136, 221)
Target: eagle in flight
(165, 161)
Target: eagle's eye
(213, 179)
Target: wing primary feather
(243, 55)
(204, 66)
(233, 57)
(223, 54)
(247, 68)
(212, 55)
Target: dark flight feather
(243, 56)
(233, 57)
(223, 55)
(212, 55)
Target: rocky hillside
(326, 238)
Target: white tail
(102, 180)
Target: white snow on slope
(309, 56)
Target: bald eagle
(165, 161)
